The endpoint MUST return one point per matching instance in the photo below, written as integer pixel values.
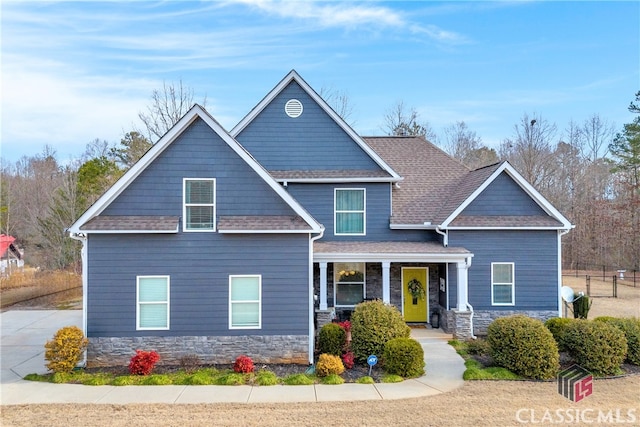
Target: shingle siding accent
(312, 141)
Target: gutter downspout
(560, 234)
(83, 238)
(445, 236)
(311, 302)
(468, 262)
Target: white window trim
(513, 284)
(184, 206)
(259, 301)
(168, 303)
(336, 283)
(364, 212)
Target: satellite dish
(567, 294)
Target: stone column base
(462, 321)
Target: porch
(418, 278)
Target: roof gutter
(445, 236)
(311, 309)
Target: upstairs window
(199, 204)
(502, 283)
(350, 215)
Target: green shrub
(332, 379)
(478, 346)
(266, 378)
(230, 378)
(596, 346)
(297, 379)
(156, 379)
(404, 357)
(329, 364)
(365, 380)
(524, 346)
(65, 350)
(373, 324)
(581, 307)
(391, 378)
(331, 339)
(558, 326)
(631, 329)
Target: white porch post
(386, 282)
(463, 298)
(323, 286)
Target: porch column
(463, 298)
(386, 282)
(323, 286)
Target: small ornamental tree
(143, 362)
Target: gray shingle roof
(429, 175)
(386, 248)
(505, 221)
(167, 224)
(262, 223)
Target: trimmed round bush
(524, 346)
(557, 326)
(598, 347)
(331, 339)
(65, 350)
(373, 323)
(631, 329)
(329, 364)
(404, 357)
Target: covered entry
(415, 298)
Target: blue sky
(76, 71)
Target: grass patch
(266, 378)
(475, 370)
(390, 378)
(230, 378)
(332, 379)
(365, 380)
(37, 377)
(298, 379)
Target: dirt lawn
(626, 305)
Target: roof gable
(318, 139)
(476, 190)
(196, 127)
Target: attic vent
(293, 108)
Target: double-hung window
(199, 204)
(349, 283)
(502, 283)
(245, 302)
(152, 306)
(350, 211)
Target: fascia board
(129, 231)
(337, 180)
(504, 228)
(294, 76)
(393, 257)
(265, 231)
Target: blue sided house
(220, 243)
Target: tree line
(590, 171)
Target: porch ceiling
(387, 251)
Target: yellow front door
(415, 294)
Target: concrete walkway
(24, 333)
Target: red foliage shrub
(143, 362)
(348, 359)
(346, 325)
(243, 365)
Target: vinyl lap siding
(199, 265)
(536, 266)
(198, 153)
(503, 197)
(311, 141)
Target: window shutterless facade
(348, 283)
(199, 210)
(349, 212)
(152, 302)
(502, 283)
(245, 302)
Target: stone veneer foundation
(117, 351)
(459, 323)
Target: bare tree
(400, 122)
(167, 107)
(596, 134)
(530, 150)
(339, 101)
(465, 145)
